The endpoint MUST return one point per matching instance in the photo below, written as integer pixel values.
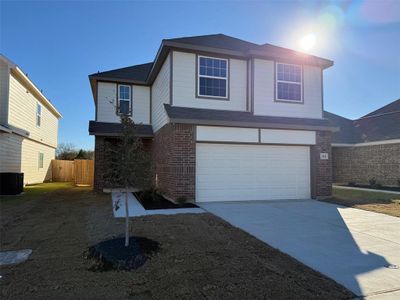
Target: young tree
(127, 164)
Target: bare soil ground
(385, 203)
(201, 257)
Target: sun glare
(308, 42)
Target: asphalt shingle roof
(114, 129)
(237, 118)
(379, 125)
(135, 73)
(141, 73)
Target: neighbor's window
(289, 82)
(38, 114)
(124, 99)
(212, 77)
(40, 160)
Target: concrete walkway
(135, 209)
(357, 248)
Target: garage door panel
(226, 172)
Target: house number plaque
(324, 156)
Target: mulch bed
(161, 203)
(381, 188)
(113, 255)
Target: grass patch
(386, 203)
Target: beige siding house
(28, 126)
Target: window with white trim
(124, 99)
(212, 77)
(40, 160)
(38, 114)
(289, 82)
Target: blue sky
(59, 43)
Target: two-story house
(225, 119)
(28, 126)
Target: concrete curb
(364, 189)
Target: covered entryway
(237, 172)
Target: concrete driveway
(357, 248)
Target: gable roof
(220, 41)
(380, 125)
(347, 133)
(389, 108)
(137, 73)
(145, 74)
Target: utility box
(11, 183)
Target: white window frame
(214, 77)
(291, 82)
(40, 160)
(38, 114)
(119, 100)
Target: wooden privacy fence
(79, 171)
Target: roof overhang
(21, 76)
(212, 117)
(115, 129)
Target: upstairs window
(212, 77)
(124, 99)
(40, 160)
(38, 114)
(289, 83)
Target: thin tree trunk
(126, 218)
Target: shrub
(372, 182)
(181, 200)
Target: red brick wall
(98, 163)
(99, 160)
(174, 156)
(360, 164)
(321, 170)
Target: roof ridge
(378, 115)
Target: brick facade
(321, 170)
(99, 157)
(174, 156)
(360, 164)
(98, 163)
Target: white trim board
(254, 135)
(394, 141)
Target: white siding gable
(160, 95)
(184, 84)
(106, 103)
(264, 93)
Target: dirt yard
(201, 256)
(385, 203)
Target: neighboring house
(28, 126)
(225, 119)
(368, 147)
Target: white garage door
(226, 172)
